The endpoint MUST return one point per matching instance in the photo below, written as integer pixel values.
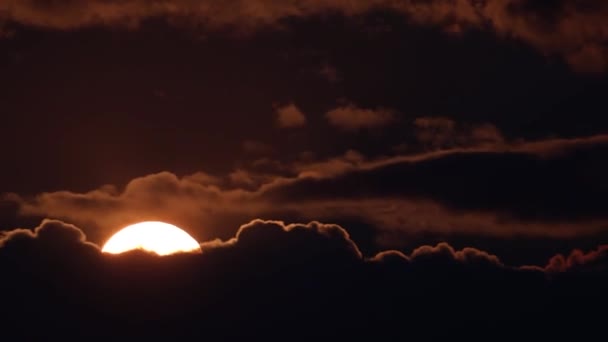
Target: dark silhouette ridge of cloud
(575, 29)
(49, 234)
(579, 260)
(274, 279)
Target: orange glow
(153, 236)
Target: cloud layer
(274, 279)
(575, 29)
(552, 188)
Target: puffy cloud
(579, 260)
(283, 242)
(49, 234)
(444, 252)
(293, 275)
(290, 116)
(353, 118)
(163, 196)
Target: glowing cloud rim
(152, 236)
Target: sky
(371, 148)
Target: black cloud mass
(554, 183)
(291, 282)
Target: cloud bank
(575, 29)
(552, 188)
(273, 279)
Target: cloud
(329, 73)
(533, 189)
(51, 233)
(574, 29)
(163, 196)
(506, 180)
(536, 189)
(290, 116)
(435, 132)
(54, 247)
(309, 241)
(442, 133)
(353, 118)
(273, 279)
(579, 260)
(350, 160)
(444, 252)
(589, 59)
(257, 147)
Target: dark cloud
(273, 279)
(444, 252)
(573, 28)
(442, 133)
(521, 182)
(50, 234)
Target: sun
(152, 236)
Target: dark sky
(477, 125)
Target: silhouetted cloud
(304, 278)
(50, 234)
(579, 260)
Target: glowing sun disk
(153, 236)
